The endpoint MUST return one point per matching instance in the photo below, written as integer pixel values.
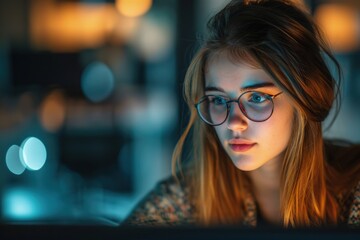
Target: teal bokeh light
(97, 82)
(21, 204)
(13, 161)
(33, 153)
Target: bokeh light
(67, 26)
(97, 82)
(21, 204)
(13, 161)
(33, 153)
(341, 26)
(133, 8)
(153, 39)
(52, 111)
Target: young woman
(258, 91)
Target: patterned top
(168, 205)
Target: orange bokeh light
(70, 26)
(52, 111)
(133, 8)
(340, 25)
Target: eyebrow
(251, 87)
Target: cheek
(281, 125)
(220, 132)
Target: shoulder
(352, 205)
(344, 157)
(167, 204)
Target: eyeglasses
(256, 106)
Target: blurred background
(91, 99)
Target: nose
(237, 121)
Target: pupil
(257, 98)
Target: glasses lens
(256, 106)
(212, 109)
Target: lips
(240, 145)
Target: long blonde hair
(283, 40)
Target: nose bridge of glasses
(233, 109)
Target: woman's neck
(266, 188)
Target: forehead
(222, 71)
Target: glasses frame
(271, 98)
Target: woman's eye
(257, 98)
(218, 101)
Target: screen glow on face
(251, 116)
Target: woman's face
(250, 145)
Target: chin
(246, 168)
(244, 164)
